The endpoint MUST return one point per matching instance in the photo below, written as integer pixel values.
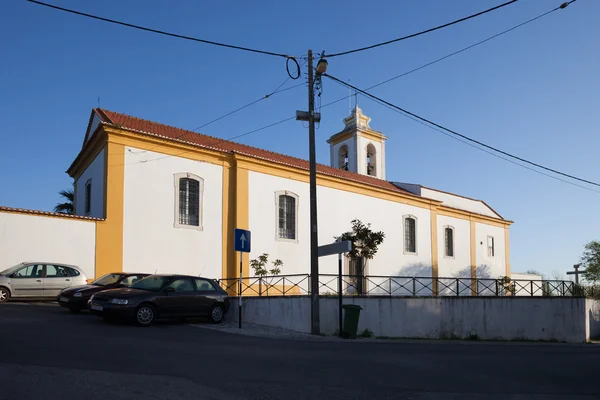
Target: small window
(181, 285)
(188, 201)
(449, 241)
(203, 285)
(72, 271)
(287, 212)
(88, 197)
(410, 234)
(56, 271)
(490, 246)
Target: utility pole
(311, 117)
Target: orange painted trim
(109, 233)
(434, 251)
(473, 258)
(507, 250)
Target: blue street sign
(242, 240)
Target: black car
(163, 297)
(76, 298)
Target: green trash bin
(351, 316)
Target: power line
(457, 52)
(249, 104)
(269, 53)
(400, 76)
(429, 122)
(423, 32)
(487, 151)
(277, 90)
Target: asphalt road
(47, 353)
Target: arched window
(188, 200)
(287, 215)
(343, 157)
(449, 241)
(371, 160)
(410, 234)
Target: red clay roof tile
(154, 128)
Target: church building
(155, 198)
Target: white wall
(459, 202)
(25, 237)
(458, 266)
(150, 240)
(95, 171)
(362, 143)
(336, 209)
(501, 318)
(593, 318)
(490, 267)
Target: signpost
(339, 248)
(242, 244)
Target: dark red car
(76, 298)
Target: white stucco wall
(150, 240)
(95, 171)
(459, 202)
(458, 266)
(490, 267)
(503, 318)
(25, 237)
(362, 156)
(336, 209)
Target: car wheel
(217, 313)
(4, 294)
(145, 315)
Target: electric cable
(429, 122)
(422, 32)
(270, 53)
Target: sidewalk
(270, 332)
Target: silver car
(38, 280)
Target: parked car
(76, 298)
(163, 297)
(38, 280)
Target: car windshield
(11, 269)
(154, 283)
(108, 279)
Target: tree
(591, 261)
(66, 207)
(259, 265)
(365, 244)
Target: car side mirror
(170, 290)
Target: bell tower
(358, 148)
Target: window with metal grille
(490, 240)
(449, 241)
(189, 202)
(410, 235)
(287, 217)
(88, 197)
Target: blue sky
(534, 92)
